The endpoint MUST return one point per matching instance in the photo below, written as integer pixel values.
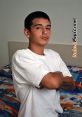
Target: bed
(9, 104)
(71, 100)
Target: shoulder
(24, 55)
(21, 52)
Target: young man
(38, 73)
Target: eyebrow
(40, 25)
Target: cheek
(37, 34)
(49, 33)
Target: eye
(38, 27)
(48, 28)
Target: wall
(61, 12)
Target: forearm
(56, 80)
(68, 83)
(52, 80)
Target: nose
(44, 31)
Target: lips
(45, 38)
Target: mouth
(45, 38)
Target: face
(40, 32)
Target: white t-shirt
(28, 69)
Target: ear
(26, 32)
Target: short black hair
(37, 14)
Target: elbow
(50, 85)
(52, 80)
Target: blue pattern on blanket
(9, 104)
(71, 100)
(77, 76)
(6, 71)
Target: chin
(44, 43)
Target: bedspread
(9, 104)
(71, 100)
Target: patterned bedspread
(9, 105)
(71, 100)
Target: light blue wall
(61, 12)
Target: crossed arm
(56, 80)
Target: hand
(68, 83)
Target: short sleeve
(64, 68)
(30, 72)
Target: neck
(36, 49)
